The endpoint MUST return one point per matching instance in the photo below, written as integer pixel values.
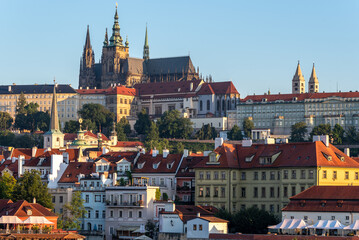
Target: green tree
(150, 228)
(321, 129)
(124, 123)
(42, 121)
(206, 132)
(298, 132)
(178, 148)
(152, 133)
(30, 186)
(73, 212)
(71, 126)
(235, 133)
(165, 197)
(249, 221)
(338, 134)
(7, 185)
(172, 125)
(158, 194)
(99, 115)
(121, 136)
(248, 126)
(143, 122)
(21, 103)
(351, 135)
(5, 121)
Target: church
(117, 67)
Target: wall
(191, 233)
(170, 223)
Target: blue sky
(256, 44)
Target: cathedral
(117, 67)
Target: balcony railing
(126, 204)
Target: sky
(256, 44)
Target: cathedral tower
(87, 71)
(113, 54)
(54, 138)
(146, 48)
(298, 82)
(313, 84)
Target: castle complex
(117, 67)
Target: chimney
(198, 214)
(104, 150)
(34, 200)
(95, 88)
(33, 151)
(247, 143)
(185, 153)
(103, 178)
(191, 87)
(19, 165)
(143, 151)
(13, 159)
(80, 87)
(218, 142)
(316, 138)
(114, 179)
(154, 152)
(325, 139)
(87, 88)
(165, 153)
(9, 89)
(347, 151)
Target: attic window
(170, 165)
(140, 165)
(340, 157)
(155, 165)
(328, 157)
(340, 203)
(295, 99)
(264, 100)
(302, 203)
(323, 203)
(249, 159)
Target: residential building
(42, 94)
(128, 208)
(158, 170)
(324, 203)
(60, 197)
(266, 175)
(200, 227)
(95, 96)
(121, 101)
(117, 66)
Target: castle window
(201, 105)
(208, 105)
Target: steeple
(146, 48)
(105, 43)
(54, 124)
(116, 39)
(88, 56)
(313, 84)
(126, 43)
(298, 82)
(88, 42)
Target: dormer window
(140, 165)
(170, 165)
(323, 203)
(249, 159)
(41, 161)
(212, 157)
(328, 157)
(341, 158)
(302, 203)
(264, 99)
(295, 99)
(340, 203)
(155, 165)
(29, 212)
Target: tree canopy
(298, 132)
(249, 221)
(73, 212)
(28, 117)
(338, 134)
(71, 126)
(321, 129)
(96, 115)
(143, 122)
(351, 135)
(123, 129)
(248, 126)
(7, 185)
(172, 125)
(206, 132)
(8, 138)
(5, 121)
(30, 186)
(235, 133)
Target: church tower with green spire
(87, 64)
(54, 138)
(146, 48)
(114, 52)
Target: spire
(126, 43)
(313, 84)
(105, 43)
(54, 123)
(146, 48)
(116, 39)
(298, 82)
(88, 42)
(298, 72)
(313, 76)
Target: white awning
(10, 219)
(354, 226)
(37, 220)
(290, 224)
(327, 224)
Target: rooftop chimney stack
(218, 142)
(347, 151)
(165, 153)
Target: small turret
(313, 84)
(116, 39)
(126, 43)
(105, 43)
(298, 82)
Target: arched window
(218, 105)
(201, 105)
(229, 105)
(223, 104)
(208, 105)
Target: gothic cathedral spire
(105, 43)
(146, 48)
(54, 124)
(298, 82)
(313, 84)
(116, 39)
(87, 75)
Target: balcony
(137, 204)
(91, 233)
(185, 189)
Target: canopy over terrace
(10, 220)
(327, 224)
(287, 224)
(353, 226)
(37, 220)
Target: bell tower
(146, 48)
(114, 52)
(298, 82)
(87, 73)
(313, 84)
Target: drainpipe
(229, 191)
(319, 168)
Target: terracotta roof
(187, 165)
(227, 158)
(72, 171)
(116, 156)
(169, 88)
(326, 199)
(147, 164)
(12, 166)
(91, 91)
(308, 154)
(73, 156)
(213, 219)
(218, 88)
(188, 212)
(20, 208)
(300, 96)
(121, 90)
(128, 144)
(73, 136)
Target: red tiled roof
(121, 90)
(12, 166)
(128, 144)
(73, 156)
(300, 96)
(19, 209)
(117, 156)
(227, 158)
(73, 136)
(308, 154)
(167, 87)
(91, 91)
(188, 212)
(213, 219)
(326, 199)
(72, 171)
(218, 88)
(26, 152)
(148, 161)
(188, 164)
